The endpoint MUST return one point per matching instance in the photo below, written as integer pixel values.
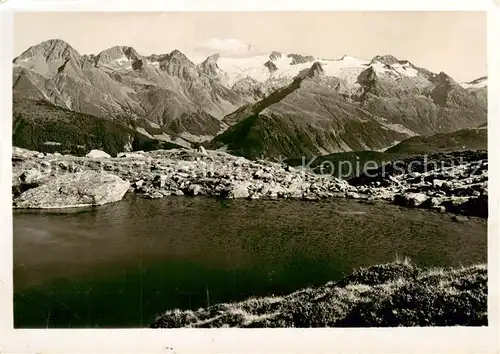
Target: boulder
(296, 190)
(160, 181)
(438, 183)
(238, 190)
(202, 150)
(88, 188)
(194, 189)
(30, 176)
(437, 201)
(20, 154)
(97, 154)
(410, 199)
(383, 193)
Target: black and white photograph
(279, 169)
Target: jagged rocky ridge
(306, 118)
(312, 117)
(169, 98)
(388, 295)
(455, 183)
(170, 94)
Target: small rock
(154, 195)
(352, 195)
(257, 174)
(132, 155)
(74, 168)
(178, 193)
(180, 175)
(160, 181)
(394, 180)
(239, 190)
(202, 150)
(436, 201)
(438, 183)
(410, 199)
(440, 208)
(267, 176)
(311, 197)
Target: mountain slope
(281, 104)
(427, 103)
(44, 127)
(465, 139)
(118, 81)
(305, 118)
(368, 106)
(478, 88)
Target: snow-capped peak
(278, 65)
(477, 83)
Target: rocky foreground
(389, 295)
(455, 183)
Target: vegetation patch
(388, 295)
(44, 127)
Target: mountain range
(277, 105)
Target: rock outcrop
(97, 154)
(87, 188)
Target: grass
(386, 295)
(345, 164)
(465, 139)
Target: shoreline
(460, 188)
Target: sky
(453, 42)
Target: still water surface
(122, 264)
